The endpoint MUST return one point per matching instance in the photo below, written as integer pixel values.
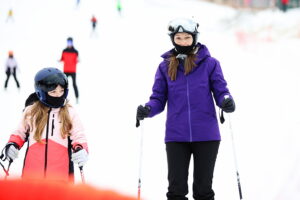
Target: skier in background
(53, 130)
(11, 67)
(188, 79)
(119, 7)
(70, 59)
(77, 3)
(94, 22)
(10, 15)
(284, 5)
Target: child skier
(53, 130)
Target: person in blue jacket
(188, 80)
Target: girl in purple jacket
(189, 80)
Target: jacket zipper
(189, 107)
(52, 125)
(46, 146)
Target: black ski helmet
(70, 39)
(183, 25)
(48, 79)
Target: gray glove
(80, 157)
(12, 151)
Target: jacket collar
(201, 54)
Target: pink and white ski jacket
(52, 158)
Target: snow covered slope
(258, 54)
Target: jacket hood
(201, 54)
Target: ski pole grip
(137, 124)
(78, 148)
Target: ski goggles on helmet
(52, 81)
(182, 25)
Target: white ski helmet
(183, 25)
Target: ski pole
(4, 157)
(140, 160)
(235, 159)
(82, 174)
(7, 171)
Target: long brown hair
(189, 64)
(38, 117)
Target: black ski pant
(179, 155)
(11, 72)
(284, 7)
(73, 76)
(94, 25)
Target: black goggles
(51, 82)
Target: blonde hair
(38, 117)
(189, 65)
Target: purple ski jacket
(191, 114)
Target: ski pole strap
(6, 171)
(77, 148)
(221, 115)
(137, 124)
(3, 156)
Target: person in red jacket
(284, 4)
(70, 59)
(94, 22)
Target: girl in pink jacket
(55, 135)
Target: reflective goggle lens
(52, 81)
(183, 25)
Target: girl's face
(57, 92)
(183, 39)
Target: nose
(184, 43)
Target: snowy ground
(258, 54)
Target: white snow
(258, 52)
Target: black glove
(228, 105)
(142, 112)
